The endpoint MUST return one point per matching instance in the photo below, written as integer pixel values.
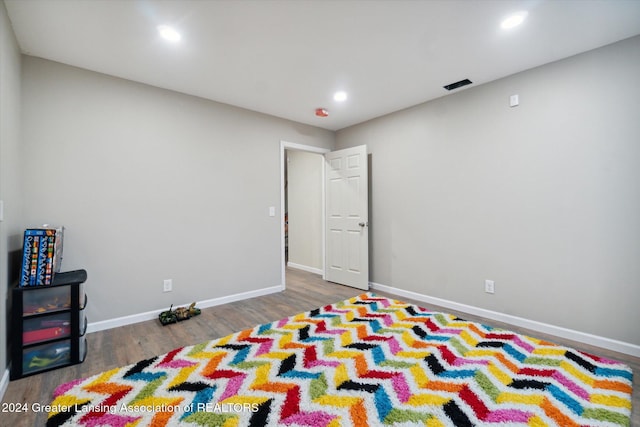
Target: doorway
(307, 223)
(303, 211)
(345, 210)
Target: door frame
(284, 146)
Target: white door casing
(347, 226)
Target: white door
(347, 213)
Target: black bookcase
(48, 325)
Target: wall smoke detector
(321, 112)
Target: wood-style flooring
(304, 291)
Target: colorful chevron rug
(366, 361)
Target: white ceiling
(286, 58)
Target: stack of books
(41, 255)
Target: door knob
(363, 224)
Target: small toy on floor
(179, 314)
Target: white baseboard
(4, 383)
(150, 315)
(583, 337)
(305, 268)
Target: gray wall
(152, 185)
(11, 172)
(543, 198)
(305, 208)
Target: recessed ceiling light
(340, 96)
(514, 20)
(169, 33)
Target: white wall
(305, 209)
(543, 198)
(11, 171)
(153, 184)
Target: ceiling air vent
(456, 85)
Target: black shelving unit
(49, 325)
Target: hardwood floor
(305, 291)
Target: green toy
(179, 314)
(167, 317)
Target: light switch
(272, 211)
(514, 100)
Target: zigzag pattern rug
(366, 361)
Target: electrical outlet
(167, 285)
(489, 286)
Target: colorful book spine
(48, 266)
(42, 260)
(33, 268)
(25, 271)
